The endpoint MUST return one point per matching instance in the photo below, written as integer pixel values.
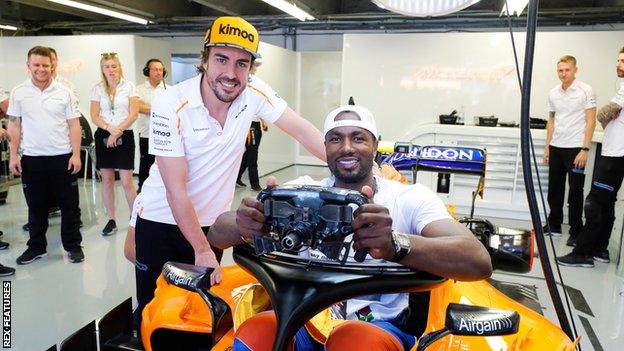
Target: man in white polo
(571, 124)
(43, 122)
(154, 85)
(197, 133)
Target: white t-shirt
(569, 107)
(613, 140)
(180, 126)
(115, 115)
(45, 115)
(147, 93)
(411, 207)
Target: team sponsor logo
(161, 133)
(231, 30)
(481, 327)
(452, 154)
(201, 129)
(155, 115)
(241, 111)
(160, 124)
(177, 279)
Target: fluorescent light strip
(7, 27)
(515, 6)
(101, 11)
(290, 9)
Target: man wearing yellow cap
(197, 133)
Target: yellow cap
(233, 32)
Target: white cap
(366, 121)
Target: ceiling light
(7, 27)
(515, 6)
(101, 11)
(424, 8)
(290, 9)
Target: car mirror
(480, 321)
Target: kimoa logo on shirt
(236, 31)
(161, 133)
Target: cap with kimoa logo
(233, 32)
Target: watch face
(402, 240)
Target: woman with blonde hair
(114, 108)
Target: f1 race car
(188, 314)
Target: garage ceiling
(191, 17)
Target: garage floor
(51, 298)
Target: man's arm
(550, 128)
(590, 125)
(304, 131)
(445, 247)
(607, 113)
(75, 138)
(449, 249)
(144, 107)
(15, 133)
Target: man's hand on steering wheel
(250, 215)
(372, 225)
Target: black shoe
(555, 230)
(572, 260)
(30, 255)
(571, 242)
(256, 187)
(110, 228)
(602, 256)
(26, 227)
(76, 255)
(240, 184)
(6, 271)
(3, 245)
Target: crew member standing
(43, 121)
(571, 124)
(593, 241)
(155, 84)
(114, 108)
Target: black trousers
(45, 179)
(250, 157)
(600, 206)
(146, 160)
(156, 244)
(561, 165)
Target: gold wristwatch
(402, 246)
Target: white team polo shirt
(44, 114)
(180, 126)
(569, 107)
(147, 93)
(411, 208)
(613, 139)
(116, 114)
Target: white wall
(279, 70)
(409, 79)
(320, 91)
